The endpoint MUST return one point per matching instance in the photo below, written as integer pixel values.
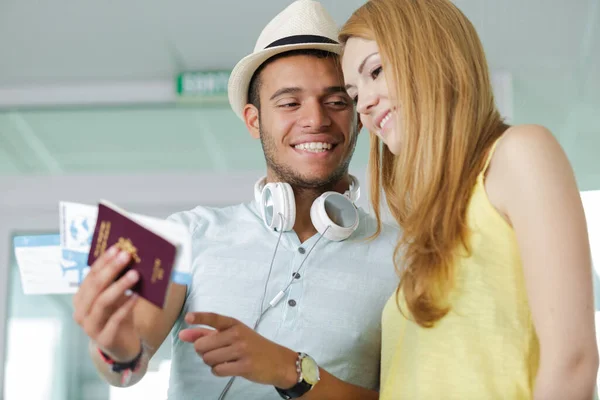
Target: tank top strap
(489, 156)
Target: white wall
(591, 204)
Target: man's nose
(315, 116)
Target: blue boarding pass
(57, 263)
(38, 258)
(76, 225)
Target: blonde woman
(495, 299)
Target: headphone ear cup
(334, 216)
(258, 192)
(270, 206)
(289, 206)
(277, 202)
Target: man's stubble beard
(285, 173)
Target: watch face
(310, 370)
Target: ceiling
(549, 50)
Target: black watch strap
(298, 390)
(305, 382)
(122, 366)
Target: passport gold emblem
(157, 271)
(102, 238)
(126, 245)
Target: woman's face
(366, 85)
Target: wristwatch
(308, 376)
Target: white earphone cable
(277, 298)
(262, 312)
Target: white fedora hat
(305, 24)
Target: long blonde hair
(437, 73)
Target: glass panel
(153, 386)
(44, 342)
(592, 215)
(28, 347)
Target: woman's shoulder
(522, 145)
(523, 141)
(523, 155)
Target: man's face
(307, 121)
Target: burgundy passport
(151, 255)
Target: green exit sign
(203, 84)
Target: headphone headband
(353, 192)
(334, 215)
(258, 187)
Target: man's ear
(252, 121)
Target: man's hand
(103, 309)
(234, 349)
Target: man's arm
(119, 324)
(234, 349)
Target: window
(44, 342)
(591, 204)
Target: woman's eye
(375, 73)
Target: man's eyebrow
(335, 89)
(295, 90)
(285, 90)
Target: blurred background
(126, 101)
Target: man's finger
(111, 329)
(113, 268)
(111, 299)
(104, 257)
(217, 321)
(220, 356)
(228, 369)
(190, 335)
(101, 261)
(95, 282)
(217, 341)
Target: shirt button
(301, 250)
(292, 303)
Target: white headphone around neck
(333, 214)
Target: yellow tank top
(486, 347)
